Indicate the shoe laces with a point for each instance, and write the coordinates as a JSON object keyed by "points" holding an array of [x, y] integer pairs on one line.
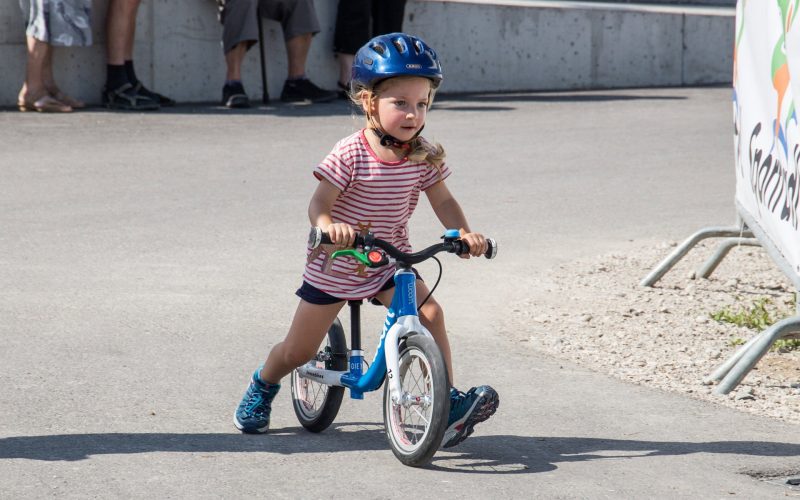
{"points": [[258, 402]]}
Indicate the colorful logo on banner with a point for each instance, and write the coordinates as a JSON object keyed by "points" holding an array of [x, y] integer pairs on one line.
{"points": [[766, 130]]}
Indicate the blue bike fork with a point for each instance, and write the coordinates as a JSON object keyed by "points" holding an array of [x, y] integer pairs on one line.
{"points": [[404, 303]]}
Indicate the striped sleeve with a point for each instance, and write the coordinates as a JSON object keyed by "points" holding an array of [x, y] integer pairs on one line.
{"points": [[433, 175], [335, 169]]}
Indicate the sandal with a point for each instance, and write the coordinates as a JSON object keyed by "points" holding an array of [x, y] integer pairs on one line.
{"points": [[68, 100], [126, 98], [45, 104]]}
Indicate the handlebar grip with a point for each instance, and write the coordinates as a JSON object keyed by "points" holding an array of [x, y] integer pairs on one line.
{"points": [[317, 237], [491, 252]]}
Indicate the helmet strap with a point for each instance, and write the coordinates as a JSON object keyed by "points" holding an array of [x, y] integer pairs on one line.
{"points": [[388, 140]]}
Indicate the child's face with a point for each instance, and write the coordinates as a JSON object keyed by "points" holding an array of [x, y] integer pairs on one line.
{"points": [[402, 105]]}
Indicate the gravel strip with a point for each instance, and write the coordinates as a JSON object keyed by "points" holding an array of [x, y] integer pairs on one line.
{"points": [[595, 313]]}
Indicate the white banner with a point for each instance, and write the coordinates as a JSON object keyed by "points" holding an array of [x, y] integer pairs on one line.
{"points": [[766, 79]]}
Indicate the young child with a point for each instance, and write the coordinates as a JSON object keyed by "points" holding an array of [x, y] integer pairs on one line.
{"points": [[371, 182]]}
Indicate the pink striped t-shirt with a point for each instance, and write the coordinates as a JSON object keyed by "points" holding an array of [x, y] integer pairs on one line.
{"points": [[376, 196]]}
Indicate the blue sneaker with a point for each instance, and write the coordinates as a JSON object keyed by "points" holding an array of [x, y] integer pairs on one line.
{"points": [[466, 410], [252, 415]]}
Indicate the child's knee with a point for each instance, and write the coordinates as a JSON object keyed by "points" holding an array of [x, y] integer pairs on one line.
{"points": [[432, 313], [297, 357]]}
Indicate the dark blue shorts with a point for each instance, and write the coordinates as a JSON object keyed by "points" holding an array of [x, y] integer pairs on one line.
{"points": [[314, 295]]}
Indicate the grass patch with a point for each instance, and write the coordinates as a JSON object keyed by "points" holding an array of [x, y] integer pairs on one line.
{"points": [[761, 314], [755, 317]]}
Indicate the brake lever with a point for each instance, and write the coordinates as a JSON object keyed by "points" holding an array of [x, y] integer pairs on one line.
{"points": [[373, 258]]}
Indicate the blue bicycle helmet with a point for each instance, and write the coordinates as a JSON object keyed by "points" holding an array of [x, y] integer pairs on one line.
{"points": [[395, 54]]}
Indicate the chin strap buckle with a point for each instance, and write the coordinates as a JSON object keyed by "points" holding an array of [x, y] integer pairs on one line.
{"points": [[390, 141]]}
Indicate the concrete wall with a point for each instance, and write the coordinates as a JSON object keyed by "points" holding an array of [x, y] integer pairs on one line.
{"points": [[488, 45]]}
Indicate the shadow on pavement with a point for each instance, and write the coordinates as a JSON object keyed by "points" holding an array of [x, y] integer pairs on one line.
{"points": [[480, 454], [521, 454]]}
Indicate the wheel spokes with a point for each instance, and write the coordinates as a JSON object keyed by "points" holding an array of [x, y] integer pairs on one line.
{"points": [[415, 417]]}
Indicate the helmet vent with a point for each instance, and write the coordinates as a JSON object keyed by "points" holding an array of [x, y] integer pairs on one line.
{"points": [[418, 46], [401, 47], [379, 48]]}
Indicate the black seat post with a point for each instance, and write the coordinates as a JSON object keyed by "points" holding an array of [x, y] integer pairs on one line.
{"points": [[355, 324]]}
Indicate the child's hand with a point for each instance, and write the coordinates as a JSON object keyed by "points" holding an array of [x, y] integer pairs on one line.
{"points": [[342, 235], [477, 244]]}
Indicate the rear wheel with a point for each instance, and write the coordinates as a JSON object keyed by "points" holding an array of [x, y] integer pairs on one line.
{"points": [[316, 404], [415, 425]]}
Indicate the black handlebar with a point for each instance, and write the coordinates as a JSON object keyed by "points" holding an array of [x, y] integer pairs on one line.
{"points": [[452, 245]]}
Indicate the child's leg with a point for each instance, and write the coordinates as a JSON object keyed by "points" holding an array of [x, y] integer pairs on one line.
{"points": [[466, 409], [432, 318], [309, 326]]}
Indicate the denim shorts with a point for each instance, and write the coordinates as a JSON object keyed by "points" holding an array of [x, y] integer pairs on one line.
{"points": [[314, 295]]}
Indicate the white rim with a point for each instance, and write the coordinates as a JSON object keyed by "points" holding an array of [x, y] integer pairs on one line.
{"points": [[410, 422]]}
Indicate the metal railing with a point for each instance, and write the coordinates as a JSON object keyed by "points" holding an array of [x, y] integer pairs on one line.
{"points": [[746, 232]]}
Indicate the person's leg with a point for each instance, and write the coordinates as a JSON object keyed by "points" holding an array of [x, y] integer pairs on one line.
{"points": [[351, 32], [299, 21], [120, 30], [39, 25], [387, 16], [233, 93], [33, 87], [122, 89], [308, 329], [345, 72], [352, 29], [466, 409], [239, 33], [297, 54], [52, 87], [34, 95], [124, 44], [233, 62], [431, 316], [298, 88]]}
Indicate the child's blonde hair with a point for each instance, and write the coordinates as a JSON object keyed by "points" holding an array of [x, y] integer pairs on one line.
{"points": [[420, 149]]}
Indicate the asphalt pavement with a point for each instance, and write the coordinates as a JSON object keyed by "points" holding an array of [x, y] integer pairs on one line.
{"points": [[149, 261]]}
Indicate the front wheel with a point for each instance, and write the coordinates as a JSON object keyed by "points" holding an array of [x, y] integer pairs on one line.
{"points": [[316, 404], [416, 424]]}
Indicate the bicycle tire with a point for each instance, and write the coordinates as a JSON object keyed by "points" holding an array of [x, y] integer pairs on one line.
{"points": [[416, 426], [316, 405]]}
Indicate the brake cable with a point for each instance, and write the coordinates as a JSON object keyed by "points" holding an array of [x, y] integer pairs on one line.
{"points": [[438, 278]]}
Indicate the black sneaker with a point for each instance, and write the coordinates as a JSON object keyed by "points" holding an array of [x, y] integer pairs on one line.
{"points": [[234, 96], [125, 97], [162, 100], [304, 91]]}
